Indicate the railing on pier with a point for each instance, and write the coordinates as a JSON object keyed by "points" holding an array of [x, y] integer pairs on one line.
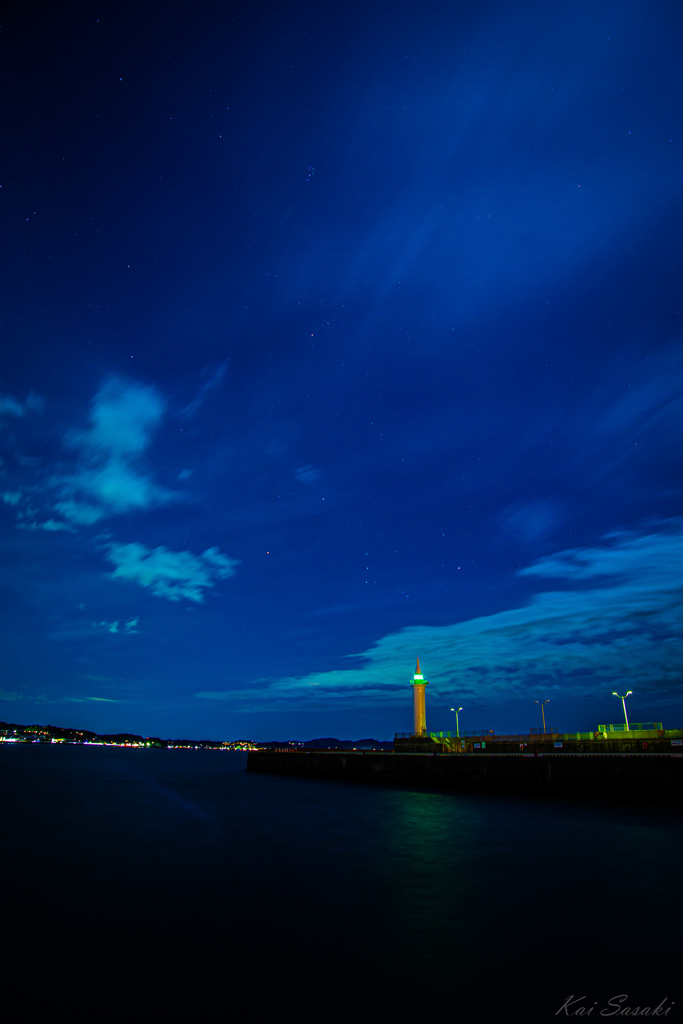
{"points": [[448, 735], [634, 727]]}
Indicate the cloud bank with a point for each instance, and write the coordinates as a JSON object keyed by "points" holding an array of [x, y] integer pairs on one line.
{"points": [[614, 618]]}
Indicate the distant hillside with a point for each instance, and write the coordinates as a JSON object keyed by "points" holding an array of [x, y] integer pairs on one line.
{"points": [[10, 732]]}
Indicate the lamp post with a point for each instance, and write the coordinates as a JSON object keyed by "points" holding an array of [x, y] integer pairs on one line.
{"points": [[543, 704], [457, 722], [623, 704]]}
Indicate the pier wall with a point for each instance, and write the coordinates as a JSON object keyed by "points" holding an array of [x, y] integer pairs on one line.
{"points": [[651, 778]]}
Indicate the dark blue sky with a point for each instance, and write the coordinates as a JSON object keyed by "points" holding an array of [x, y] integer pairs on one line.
{"points": [[335, 336]]}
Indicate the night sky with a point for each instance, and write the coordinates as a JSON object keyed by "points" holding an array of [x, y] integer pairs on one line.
{"points": [[334, 335]]}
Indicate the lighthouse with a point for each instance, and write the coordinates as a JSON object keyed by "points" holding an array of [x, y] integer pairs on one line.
{"points": [[418, 684]]}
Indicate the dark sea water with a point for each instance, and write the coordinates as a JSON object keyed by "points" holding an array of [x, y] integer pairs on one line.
{"points": [[152, 882]]}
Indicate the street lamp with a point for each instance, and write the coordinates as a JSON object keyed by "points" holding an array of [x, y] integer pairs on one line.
{"points": [[457, 722], [623, 702], [543, 704]]}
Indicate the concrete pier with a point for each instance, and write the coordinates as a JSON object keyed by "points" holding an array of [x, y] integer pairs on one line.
{"points": [[650, 778]]}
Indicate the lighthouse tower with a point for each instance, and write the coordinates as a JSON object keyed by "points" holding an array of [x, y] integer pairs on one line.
{"points": [[419, 714]]}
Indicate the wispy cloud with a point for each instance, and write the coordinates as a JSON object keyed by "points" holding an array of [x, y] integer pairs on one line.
{"points": [[175, 575], [616, 615], [50, 525], [127, 627], [307, 474], [84, 700], [12, 695], [111, 477], [215, 380], [11, 406], [79, 512], [637, 408], [27, 514], [123, 418]]}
